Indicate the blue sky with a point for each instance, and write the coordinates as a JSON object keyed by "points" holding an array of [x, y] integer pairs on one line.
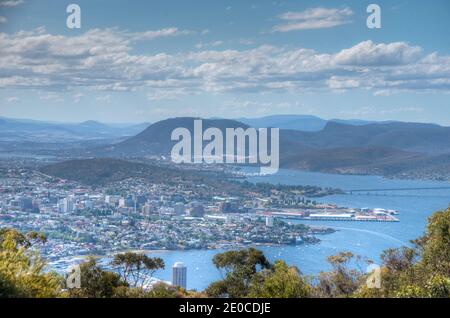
{"points": [[148, 60]]}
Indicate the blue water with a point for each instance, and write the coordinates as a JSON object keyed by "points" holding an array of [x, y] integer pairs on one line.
{"points": [[367, 239]]}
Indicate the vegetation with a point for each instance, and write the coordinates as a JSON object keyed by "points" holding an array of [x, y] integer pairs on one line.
{"points": [[107, 171], [21, 268], [422, 270], [135, 268]]}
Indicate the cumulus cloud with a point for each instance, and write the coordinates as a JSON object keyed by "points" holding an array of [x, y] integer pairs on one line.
{"points": [[3, 19], [104, 60], [313, 18], [369, 53]]}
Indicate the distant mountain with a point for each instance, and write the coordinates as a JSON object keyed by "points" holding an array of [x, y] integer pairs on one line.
{"points": [[415, 137], [357, 160], [156, 139], [378, 148], [297, 122], [386, 148], [21, 130]]}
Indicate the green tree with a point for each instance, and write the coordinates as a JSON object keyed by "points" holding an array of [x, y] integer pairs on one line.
{"points": [[95, 282], [419, 271], [282, 281], [342, 280], [136, 269], [21, 268], [237, 269]]}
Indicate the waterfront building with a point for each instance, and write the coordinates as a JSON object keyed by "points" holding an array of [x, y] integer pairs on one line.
{"points": [[179, 275]]}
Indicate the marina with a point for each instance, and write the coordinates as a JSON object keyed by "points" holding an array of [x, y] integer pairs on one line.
{"points": [[336, 214]]}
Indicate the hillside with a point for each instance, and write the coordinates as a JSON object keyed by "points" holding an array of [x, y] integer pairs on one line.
{"points": [[389, 148], [414, 137], [104, 170], [156, 139], [298, 122]]}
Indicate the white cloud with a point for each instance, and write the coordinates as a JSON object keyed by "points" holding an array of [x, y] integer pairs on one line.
{"points": [[3, 19], [104, 60], [313, 18], [382, 110], [10, 3], [151, 35], [210, 44], [369, 53]]}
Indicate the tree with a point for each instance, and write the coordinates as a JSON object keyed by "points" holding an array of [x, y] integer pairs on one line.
{"points": [[95, 282], [136, 269], [419, 271], [282, 281], [21, 268], [237, 269], [341, 281], [434, 246]]}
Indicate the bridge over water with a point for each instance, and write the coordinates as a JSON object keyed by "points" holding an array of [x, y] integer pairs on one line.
{"points": [[351, 191]]}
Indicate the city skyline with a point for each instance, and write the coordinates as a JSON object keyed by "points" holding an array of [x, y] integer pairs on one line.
{"points": [[153, 62]]}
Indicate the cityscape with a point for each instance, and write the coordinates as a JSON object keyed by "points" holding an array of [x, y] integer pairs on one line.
{"points": [[224, 150]]}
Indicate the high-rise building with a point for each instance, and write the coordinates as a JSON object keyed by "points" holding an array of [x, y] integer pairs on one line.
{"points": [[66, 205], [269, 221], [179, 271]]}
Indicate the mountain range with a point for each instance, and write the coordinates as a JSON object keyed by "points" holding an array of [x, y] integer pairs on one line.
{"points": [[42, 131], [353, 147], [388, 148], [297, 122]]}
